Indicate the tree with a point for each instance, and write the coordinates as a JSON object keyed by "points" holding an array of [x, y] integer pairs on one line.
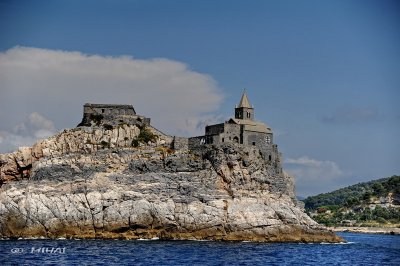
{"points": [[378, 188]]}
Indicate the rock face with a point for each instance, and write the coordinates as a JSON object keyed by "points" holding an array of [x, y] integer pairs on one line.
{"points": [[90, 182]]}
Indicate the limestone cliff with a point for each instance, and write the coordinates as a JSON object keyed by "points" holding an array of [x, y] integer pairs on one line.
{"points": [[90, 182]]}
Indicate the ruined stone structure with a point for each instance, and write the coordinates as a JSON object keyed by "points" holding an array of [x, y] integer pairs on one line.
{"points": [[111, 114], [242, 129]]}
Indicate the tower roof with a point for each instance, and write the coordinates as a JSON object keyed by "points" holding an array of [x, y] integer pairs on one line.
{"points": [[244, 101]]}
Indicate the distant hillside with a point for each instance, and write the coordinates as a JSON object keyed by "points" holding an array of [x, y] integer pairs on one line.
{"points": [[371, 203]]}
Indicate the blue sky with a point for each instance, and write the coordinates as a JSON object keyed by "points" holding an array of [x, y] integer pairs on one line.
{"points": [[325, 75]]}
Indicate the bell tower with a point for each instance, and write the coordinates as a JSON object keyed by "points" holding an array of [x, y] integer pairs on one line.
{"points": [[244, 110]]}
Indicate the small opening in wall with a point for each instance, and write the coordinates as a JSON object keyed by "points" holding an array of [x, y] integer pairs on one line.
{"points": [[102, 111], [223, 139], [269, 157], [254, 143]]}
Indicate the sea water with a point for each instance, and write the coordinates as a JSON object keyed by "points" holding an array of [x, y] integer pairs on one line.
{"points": [[360, 249]]}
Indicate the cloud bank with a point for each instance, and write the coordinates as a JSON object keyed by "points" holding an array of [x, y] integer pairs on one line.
{"points": [[56, 84], [313, 175], [26, 133]]}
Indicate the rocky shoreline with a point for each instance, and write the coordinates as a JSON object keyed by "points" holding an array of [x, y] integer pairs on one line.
{"points": [[367, 230], [91, 183]]}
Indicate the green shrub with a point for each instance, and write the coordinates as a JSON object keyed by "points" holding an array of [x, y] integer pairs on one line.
{"points": [[105, 144], [381, 220], [97, 118], [135, 143], [144, 136], [108, 127]]}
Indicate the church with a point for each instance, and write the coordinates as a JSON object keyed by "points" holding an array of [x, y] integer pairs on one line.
{"points": [[242, 129]]}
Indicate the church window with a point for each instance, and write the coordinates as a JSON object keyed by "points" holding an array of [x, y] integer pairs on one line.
{"points": [[269, 157], [222, 139], [102, 111]]}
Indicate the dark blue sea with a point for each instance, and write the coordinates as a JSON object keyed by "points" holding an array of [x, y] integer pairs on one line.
{"points": [[361, 249]]}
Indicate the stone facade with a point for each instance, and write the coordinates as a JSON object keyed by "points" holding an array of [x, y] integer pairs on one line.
{"points": [[111, 114], [242, 129]]}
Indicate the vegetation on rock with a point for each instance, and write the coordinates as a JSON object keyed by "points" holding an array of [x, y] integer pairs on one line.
{"points": [[97, 118], [108, 127], [145, 136]]}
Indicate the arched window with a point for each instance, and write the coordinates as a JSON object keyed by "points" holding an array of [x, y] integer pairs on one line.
{"points": [[236, 139]]}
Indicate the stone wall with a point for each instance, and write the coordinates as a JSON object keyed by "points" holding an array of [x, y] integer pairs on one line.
{"points": [[195, 143], [108, 109], [180, 143], [223, 133], [111, 114], [215, 129], [231, 133]]}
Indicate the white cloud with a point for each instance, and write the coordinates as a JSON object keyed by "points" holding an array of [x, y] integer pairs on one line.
{"points": [[34, 124], [10, 141], [199, 123], [306, 168], [58, 83], [312, 175], [26, 133]]}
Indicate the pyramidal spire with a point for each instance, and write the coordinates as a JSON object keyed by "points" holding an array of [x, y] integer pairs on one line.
{"points": [[244, 101]]}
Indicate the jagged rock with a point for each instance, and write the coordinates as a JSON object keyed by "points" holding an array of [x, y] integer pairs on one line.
{"points": [[91, 183], [82, 140]]}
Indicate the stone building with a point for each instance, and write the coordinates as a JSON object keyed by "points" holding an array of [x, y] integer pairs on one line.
{"points": [[111, 114], [242, 129]]}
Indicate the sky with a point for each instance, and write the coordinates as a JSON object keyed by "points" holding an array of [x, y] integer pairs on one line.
{"points": [[324, 75]]}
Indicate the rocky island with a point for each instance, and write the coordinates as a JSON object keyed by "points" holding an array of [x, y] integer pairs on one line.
{"points": [[116, 176]]}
